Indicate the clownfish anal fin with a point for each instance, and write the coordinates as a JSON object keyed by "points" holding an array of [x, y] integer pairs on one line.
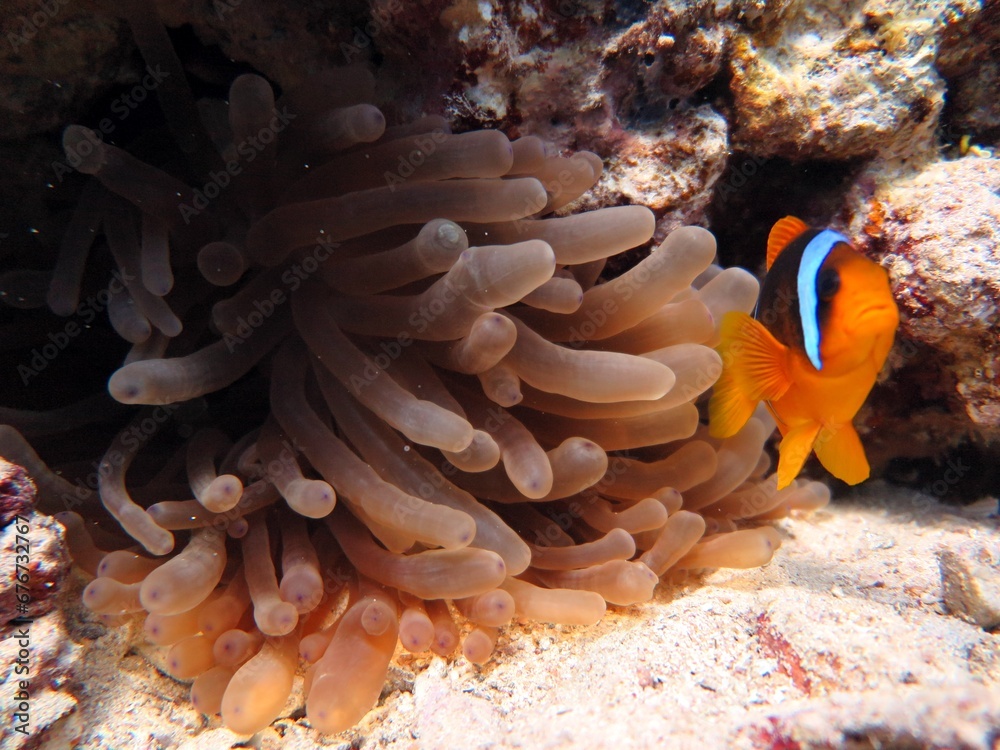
{"points": [[839, 449], [753, 370], [782, 233], [793, 451]]}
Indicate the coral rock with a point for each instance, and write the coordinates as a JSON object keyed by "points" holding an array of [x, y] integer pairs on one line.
{"points": [[970, 576], [673, 171], [47, 569], [961, 715], [612, 80], [836, 80], [52, 657], [937, 230], [57, 57], [40, 545], [17, 493], [970, 62]]}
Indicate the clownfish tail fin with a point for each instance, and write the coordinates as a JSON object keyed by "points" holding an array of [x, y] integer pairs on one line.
{"points": [[753, 369], [793, 451], [839, 449]]}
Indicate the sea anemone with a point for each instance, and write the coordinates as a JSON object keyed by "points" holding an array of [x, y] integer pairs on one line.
{"points": [[460, 421]]}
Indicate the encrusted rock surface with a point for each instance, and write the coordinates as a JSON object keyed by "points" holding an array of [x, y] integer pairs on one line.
{"points": [[969, 60], [51, 664], [937, 231], [17, 493], [36, 655], [839, 80], [32, 549], [287, 42], [945, 716], [57, 56], [970, 577], [47, 567], [616, 79]]}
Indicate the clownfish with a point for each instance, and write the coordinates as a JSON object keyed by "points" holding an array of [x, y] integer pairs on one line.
{"points": [[822, 329]]}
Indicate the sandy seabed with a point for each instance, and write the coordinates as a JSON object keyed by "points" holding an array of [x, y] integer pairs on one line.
{"points": [[844, 640]]}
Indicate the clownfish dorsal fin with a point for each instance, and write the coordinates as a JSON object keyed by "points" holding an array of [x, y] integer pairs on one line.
{"points": [[782, 233]]}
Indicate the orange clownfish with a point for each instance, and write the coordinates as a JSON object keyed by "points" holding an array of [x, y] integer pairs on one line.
{"points": [[823, 326]]}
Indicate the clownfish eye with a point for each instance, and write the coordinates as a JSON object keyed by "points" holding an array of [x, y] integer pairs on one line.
{"points": [[827, 284]]}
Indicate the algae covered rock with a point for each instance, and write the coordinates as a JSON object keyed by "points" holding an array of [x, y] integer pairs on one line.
{"points": [[971, 584], [937, 230], [33, 544], [56, 57], [838, 80], [969, 60], [620, 79]]}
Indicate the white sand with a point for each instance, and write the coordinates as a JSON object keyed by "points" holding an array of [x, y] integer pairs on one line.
{"points": [[842, 638]]}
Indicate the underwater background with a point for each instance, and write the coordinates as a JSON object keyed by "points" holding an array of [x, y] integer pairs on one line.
{"points": [[874, 625]]}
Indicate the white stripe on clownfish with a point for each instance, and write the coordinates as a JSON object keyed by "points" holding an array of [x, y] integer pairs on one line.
{"points": [[813, 256]]}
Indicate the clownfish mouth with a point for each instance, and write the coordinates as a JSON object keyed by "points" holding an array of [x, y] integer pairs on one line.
{"points": [[877, 315]]}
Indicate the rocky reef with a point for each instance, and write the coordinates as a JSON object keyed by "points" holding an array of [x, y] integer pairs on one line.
{"points": [[876, 117], [727, 114]]}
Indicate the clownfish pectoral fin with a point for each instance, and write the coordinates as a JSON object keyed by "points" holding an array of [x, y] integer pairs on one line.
{"points": [[793, 451], [753, 370], [729, 408], [782, 233], [839, 449]]}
